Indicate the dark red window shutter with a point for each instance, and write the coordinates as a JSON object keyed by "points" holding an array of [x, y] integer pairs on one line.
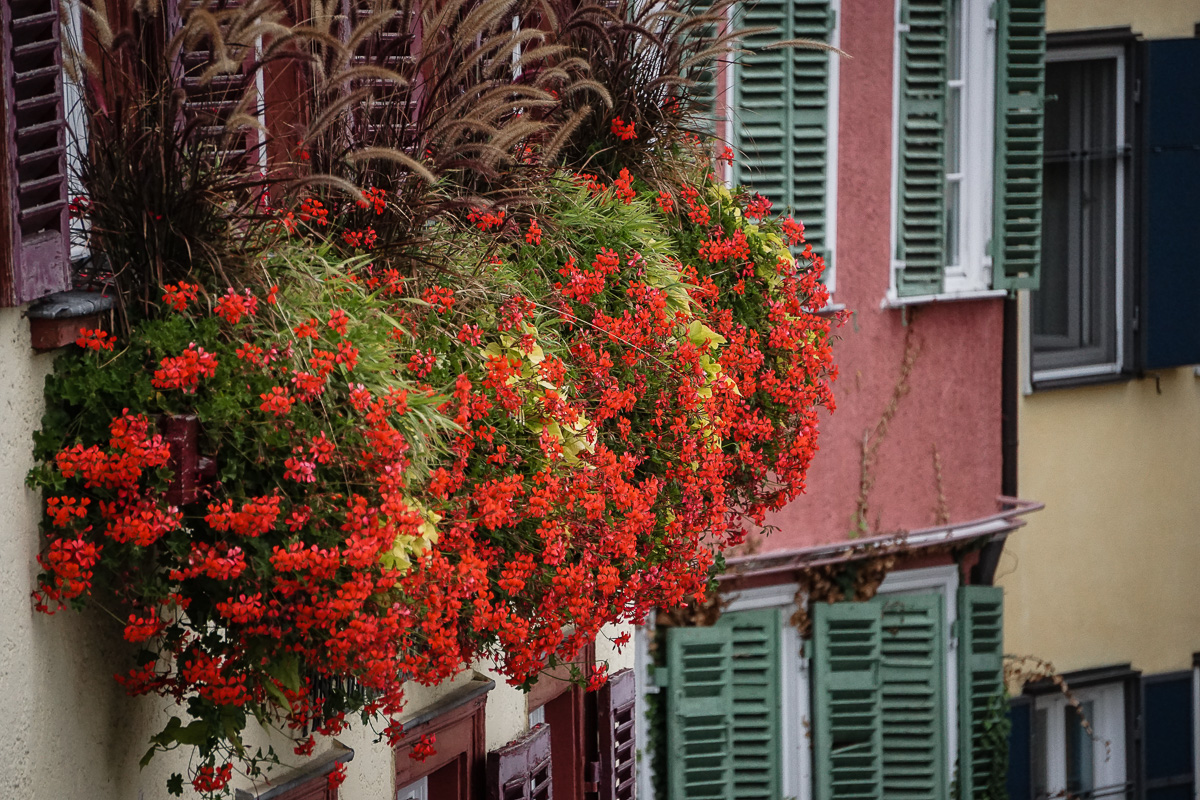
{"points": [[212, 97], [34, 233], [521, 770], [617, 744]]}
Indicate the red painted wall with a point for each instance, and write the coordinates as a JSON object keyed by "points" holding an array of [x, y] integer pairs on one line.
{"points": [[955, 391]]}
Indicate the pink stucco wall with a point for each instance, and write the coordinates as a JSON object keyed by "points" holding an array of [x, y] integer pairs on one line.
{"points": [[954, 401]]}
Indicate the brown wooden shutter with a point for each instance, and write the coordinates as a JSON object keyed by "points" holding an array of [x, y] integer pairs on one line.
{"points": [[211, 98], [393, 46], [617, 745], [521, 770], [34, 233]]}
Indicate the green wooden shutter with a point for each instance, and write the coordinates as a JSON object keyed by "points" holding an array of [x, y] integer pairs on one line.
{"points": [[756, 703], [980, 679], [914, 706], [782, 112], [846, 701], [921, 179], [1020, 96], [700, 713], [724, 708]]}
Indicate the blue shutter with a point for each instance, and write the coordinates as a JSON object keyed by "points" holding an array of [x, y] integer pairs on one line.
{"points": [[1020, 95], [846, 701], [1171, 235], [1167, 707]]}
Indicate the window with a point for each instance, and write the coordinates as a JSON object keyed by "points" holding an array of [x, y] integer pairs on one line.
{"points": [[454, 771], [969, 85], [1071, 760], [784, 116], [894, 697], [1120, 289], [1076, 319]]}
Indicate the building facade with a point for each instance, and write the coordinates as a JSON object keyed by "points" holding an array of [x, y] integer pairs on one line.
{"points": [[1099, 585], [856, 651]]}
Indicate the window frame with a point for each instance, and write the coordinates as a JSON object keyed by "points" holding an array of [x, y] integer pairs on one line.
{"points": [[1085, 685], [1118, 313], [458, 722], [972, 277]]}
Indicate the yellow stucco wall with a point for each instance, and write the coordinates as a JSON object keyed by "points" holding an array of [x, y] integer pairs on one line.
{"points": [[1109, 572], [1154, 19]]}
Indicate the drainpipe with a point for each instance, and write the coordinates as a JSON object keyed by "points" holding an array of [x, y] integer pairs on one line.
{"points": [[984, 572]]}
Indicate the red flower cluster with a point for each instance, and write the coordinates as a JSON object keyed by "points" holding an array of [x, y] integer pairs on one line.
{"points": [[625, 131]]}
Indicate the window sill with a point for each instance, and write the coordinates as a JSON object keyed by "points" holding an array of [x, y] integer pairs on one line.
{"points": [[893, 300], [55, 320], [1080, 380], [315, 770]]}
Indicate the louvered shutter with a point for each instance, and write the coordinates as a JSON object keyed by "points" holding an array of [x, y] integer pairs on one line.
{"points": [[781, 112], [618, 752], [700, 713], [756, 703], [847, 749], [211, 96], [914, 697], [34, 234], [921, 180], [521, 770], [980, 680], [1020, 97]]}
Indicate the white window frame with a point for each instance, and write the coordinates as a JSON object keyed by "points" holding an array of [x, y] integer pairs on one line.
{"points": [[1091, 53], [417, 790], [945, 581], [726, 129], [1108, 742], [972, 278], [77, 123]]}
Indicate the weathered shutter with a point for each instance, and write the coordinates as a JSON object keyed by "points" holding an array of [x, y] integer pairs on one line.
{"points": [[1020, 97], [756, 703], [781, 112], [921, 179], [913, 676], [212, 95], [521, 770], [700, 713], [980, 681], [34, 233], [847, 748], [618, 748]]}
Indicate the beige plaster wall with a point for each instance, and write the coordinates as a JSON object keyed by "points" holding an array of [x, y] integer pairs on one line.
{"points": [[1154, 19], [70, 732], [1107, 573]]}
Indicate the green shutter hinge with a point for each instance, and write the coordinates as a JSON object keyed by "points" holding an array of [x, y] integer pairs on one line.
{"points": [[832, 19], [661, 677], [994, 11]]}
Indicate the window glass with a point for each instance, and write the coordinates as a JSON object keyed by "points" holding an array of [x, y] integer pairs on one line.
{"points": [[1074, 314], [1081, 774]]}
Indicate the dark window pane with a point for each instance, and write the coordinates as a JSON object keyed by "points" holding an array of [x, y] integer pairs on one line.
{"points": [[1168, 718], [1074, 313]]}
